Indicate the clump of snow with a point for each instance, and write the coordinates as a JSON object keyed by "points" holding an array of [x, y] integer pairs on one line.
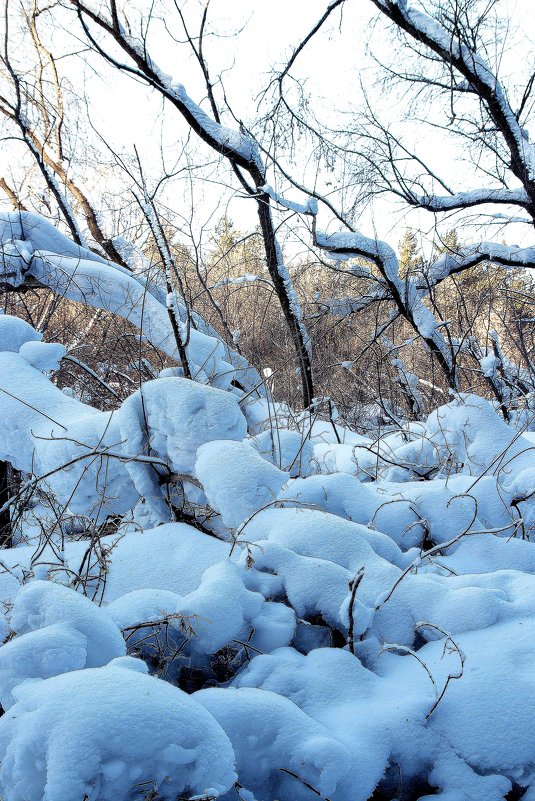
{"points": [[237, 480], [170, 557], [181, 415], [44, 356], [45, 603], [312, 532], [290, 451], [58, 648], [58, 630], [220, 611], [176, 416], [367, 713], [102, 733], [470, 431], [15, 332], [76, 448]]}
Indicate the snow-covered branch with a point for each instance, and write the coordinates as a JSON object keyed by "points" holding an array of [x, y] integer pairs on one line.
{"points": [[505, 255], [407, 296], [465, 200], [239, 147], [452, 49], [32, 250]]}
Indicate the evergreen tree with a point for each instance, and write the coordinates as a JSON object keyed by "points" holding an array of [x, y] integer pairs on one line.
{"points": [[410, 257]]}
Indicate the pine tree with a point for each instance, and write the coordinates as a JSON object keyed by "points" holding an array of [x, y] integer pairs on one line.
{"points": [[410, 257], [448, 243]]}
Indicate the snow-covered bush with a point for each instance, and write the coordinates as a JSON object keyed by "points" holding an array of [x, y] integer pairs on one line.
{"points": [[208, 593], [173, 417], [312, 597], [58, 630], [111, 733]]}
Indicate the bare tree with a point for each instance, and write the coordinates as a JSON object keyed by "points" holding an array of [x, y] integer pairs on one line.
{"points": [[237, 146], [376, 285], [37, 109], [458, 41]]}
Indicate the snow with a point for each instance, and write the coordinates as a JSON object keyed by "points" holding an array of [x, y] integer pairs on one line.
{"points": [[219, 612], [58, 630], [23, 227], [237, 480], [288, 450], [258, 616], [472, 197], [310, 207], [357, 707], [288, 739], [44, 356], [506, 255], [30, 246], [487, 553], [498, 730], [45, 603], [89, 747], [226, 138], [171, 557], [176, 416], [15, 332], [40, 654], [56, 436], [344, 612], [311, 532]]}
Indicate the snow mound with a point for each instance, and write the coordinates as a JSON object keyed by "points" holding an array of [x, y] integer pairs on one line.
{"points": [[40, 654], [176, 416], [171, 557], [44, 356], [110, 733], [73, 447], [221, 611], [469, 436], [287, 740], [42, 604], [357, 707], [14, 332], [237, 480]]}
